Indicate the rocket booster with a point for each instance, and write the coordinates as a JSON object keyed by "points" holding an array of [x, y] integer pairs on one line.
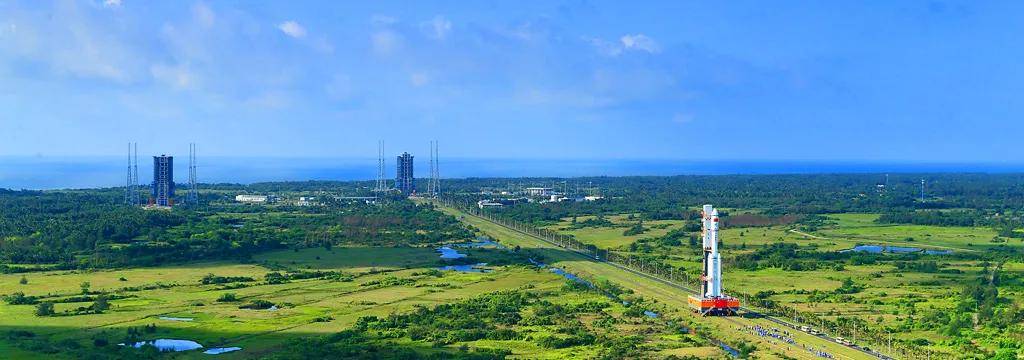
{"points": [[712, 259]]}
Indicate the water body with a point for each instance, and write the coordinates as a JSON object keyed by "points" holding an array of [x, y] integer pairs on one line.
{"points": [[481, 242], [53, 172], [878, 249], [215, 351], [449, 253], [729, 349], [469, 268], [571, 277], [170, 344], [171, 318], [651, 314]]}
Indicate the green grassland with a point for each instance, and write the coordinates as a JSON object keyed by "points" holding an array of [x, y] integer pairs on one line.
{"points": [[889, 298], [673, 300], [611, 237], [383, 281], [256, 331]]}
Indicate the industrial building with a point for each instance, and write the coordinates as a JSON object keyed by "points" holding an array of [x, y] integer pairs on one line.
{"points": [[711, 300], [162, 193], [404, 180]]}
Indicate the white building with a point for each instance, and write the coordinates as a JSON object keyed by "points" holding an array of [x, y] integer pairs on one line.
{"points": [[485, 204], [306, 201], [254, 199], [539, 191], [593, 198]]}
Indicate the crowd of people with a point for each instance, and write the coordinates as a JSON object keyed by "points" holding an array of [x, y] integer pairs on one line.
{"points": [[775, 336]]}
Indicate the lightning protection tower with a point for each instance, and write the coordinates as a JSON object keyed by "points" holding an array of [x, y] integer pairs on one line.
{"points": [[434, 186], [382, 184], [193, 190], [131, 188]]}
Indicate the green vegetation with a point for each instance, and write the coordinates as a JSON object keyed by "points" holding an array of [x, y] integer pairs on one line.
{"points": [[786, 242], [81, 273]]}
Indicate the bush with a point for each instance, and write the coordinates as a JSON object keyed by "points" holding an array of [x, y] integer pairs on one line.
{"points": [[258, 305], [227, 297]]}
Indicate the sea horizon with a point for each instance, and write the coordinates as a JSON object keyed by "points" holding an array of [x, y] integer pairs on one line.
{"points": [[48, 173]]}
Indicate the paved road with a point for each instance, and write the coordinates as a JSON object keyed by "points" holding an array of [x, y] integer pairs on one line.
{"points": [[683, 288]]}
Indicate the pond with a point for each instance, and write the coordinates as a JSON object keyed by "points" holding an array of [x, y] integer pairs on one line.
{"points": [[651, 314], [170, 344], [171, 318], [215, 351], [449, 253], [469, 268]]}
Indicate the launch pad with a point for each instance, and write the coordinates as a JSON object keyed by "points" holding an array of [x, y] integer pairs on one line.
{"points": [[711, 300], [720, 306]]}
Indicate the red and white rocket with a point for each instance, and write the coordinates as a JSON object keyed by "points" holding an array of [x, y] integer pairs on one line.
{"points": [[712, 284], [711, 300]]}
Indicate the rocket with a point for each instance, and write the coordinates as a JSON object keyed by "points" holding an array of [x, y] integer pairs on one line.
{"points": [[711, 286]]}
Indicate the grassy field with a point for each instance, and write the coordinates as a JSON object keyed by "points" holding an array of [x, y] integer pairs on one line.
{"points": [[673, 299], [386, 280], [256, 331], [890, 296], [611, 237]]}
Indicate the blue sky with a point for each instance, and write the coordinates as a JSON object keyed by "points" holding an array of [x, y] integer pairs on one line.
{"points": [[742, 80]]}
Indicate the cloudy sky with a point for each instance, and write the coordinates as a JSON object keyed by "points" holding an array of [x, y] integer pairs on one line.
{"points": [[739, 80]]}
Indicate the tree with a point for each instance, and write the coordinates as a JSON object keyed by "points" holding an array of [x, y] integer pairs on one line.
{"points": [[85, 287], [102, 303], [44, 309], [23, 280]]}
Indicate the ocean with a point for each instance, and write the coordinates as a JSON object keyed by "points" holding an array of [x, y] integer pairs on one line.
{"points": [[91, 172]]}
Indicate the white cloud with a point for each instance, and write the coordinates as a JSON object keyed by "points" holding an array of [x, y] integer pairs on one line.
{"points": [[640, 42], [340, 87], [605, 47], [203, 15], [81, 45], [419, 79], [292, 29], [438, 27], [176, 76], [385, 42], [112, 3]]}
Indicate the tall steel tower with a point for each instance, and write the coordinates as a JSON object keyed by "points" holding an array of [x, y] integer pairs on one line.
{"points": [[382, 183], [193, 190], [131, 188], [434, 186], [128, 183]]}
